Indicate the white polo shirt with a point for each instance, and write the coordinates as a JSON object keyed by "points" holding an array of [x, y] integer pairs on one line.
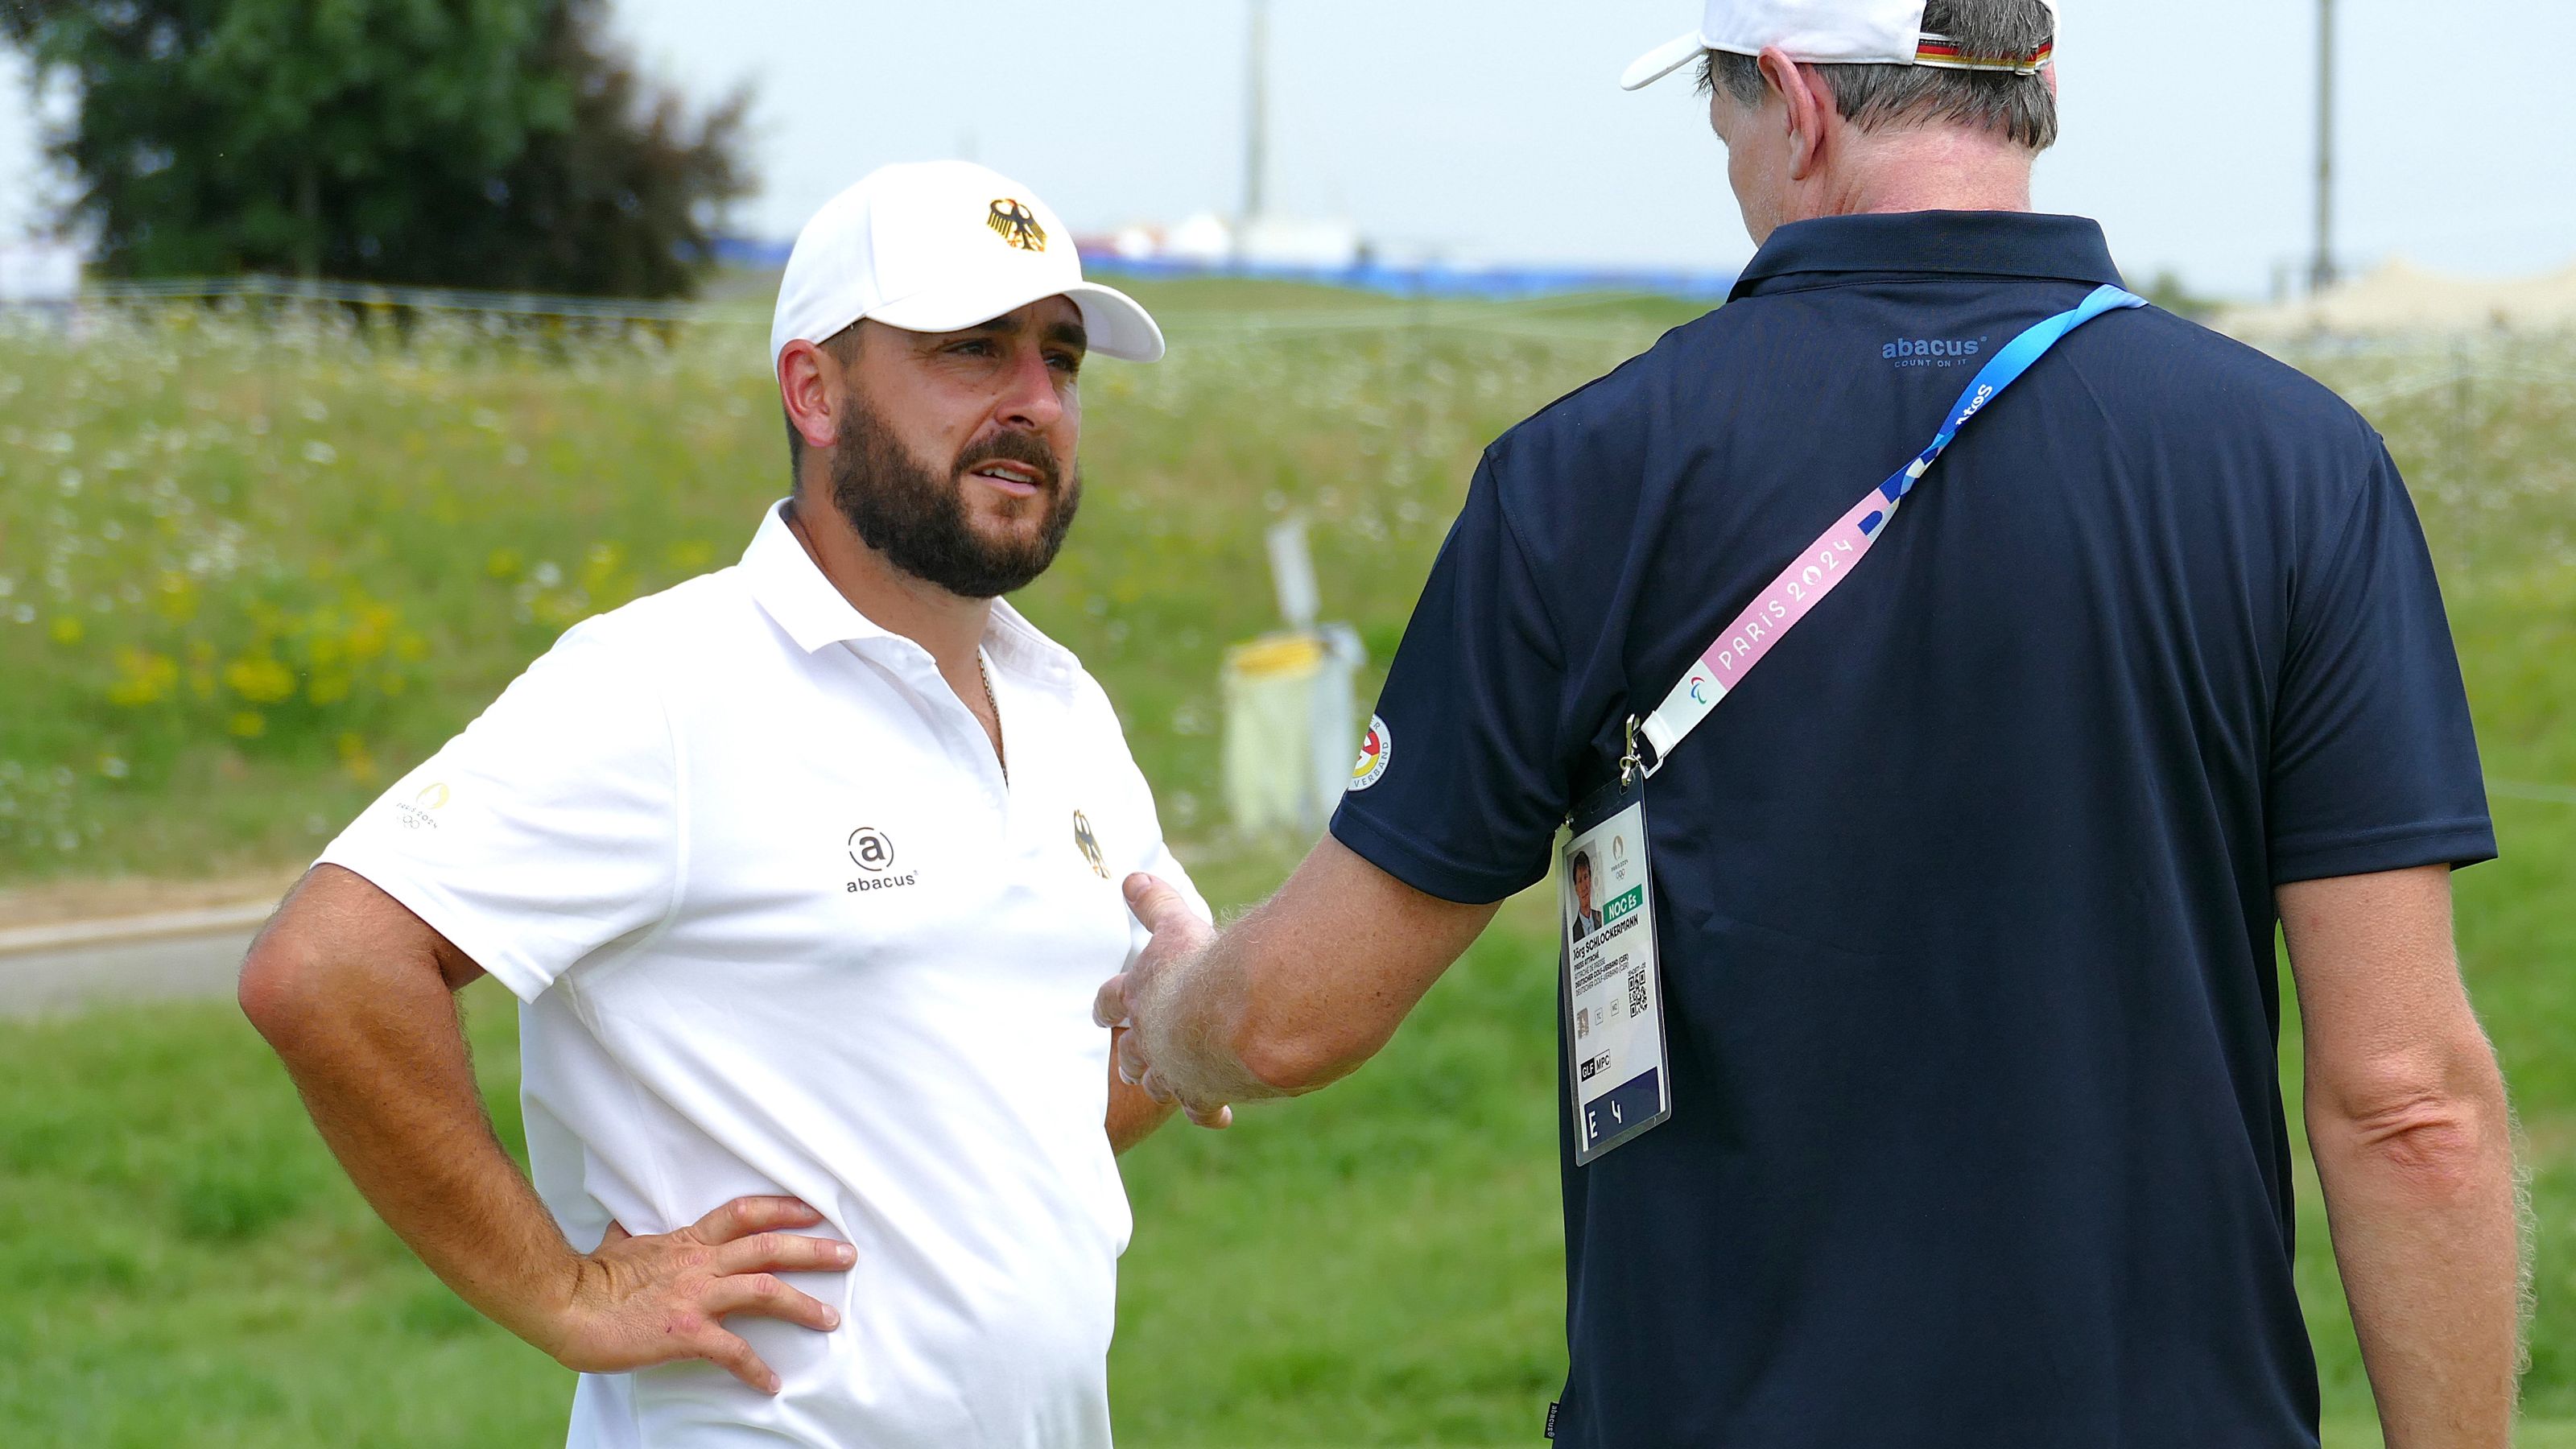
{"points": [[779, 925]]}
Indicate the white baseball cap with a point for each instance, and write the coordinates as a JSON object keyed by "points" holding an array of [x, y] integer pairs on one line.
{"points": [[1824, 32], [937, 246]]}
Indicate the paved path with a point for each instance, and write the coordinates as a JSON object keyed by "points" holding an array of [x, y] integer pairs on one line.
{"points": [[65, 978]]}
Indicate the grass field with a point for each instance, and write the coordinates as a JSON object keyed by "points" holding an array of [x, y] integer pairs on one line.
{"points": [[247, 574]]}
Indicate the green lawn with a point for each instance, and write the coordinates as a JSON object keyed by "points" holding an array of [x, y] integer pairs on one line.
{"points": [[1375, 1266], [247, 575]]}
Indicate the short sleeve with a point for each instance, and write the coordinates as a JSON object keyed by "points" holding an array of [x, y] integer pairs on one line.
{"points": [[1468, 784], [547, 830], [2374, 765]]}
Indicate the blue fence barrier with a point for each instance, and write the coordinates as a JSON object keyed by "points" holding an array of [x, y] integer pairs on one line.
{"points": [[1440, 280], [1430, 279]]}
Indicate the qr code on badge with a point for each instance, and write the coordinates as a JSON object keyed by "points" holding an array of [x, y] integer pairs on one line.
{"points": [[1637, 989]]}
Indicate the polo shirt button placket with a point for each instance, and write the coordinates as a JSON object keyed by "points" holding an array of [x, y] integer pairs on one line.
{"points": [[997, 777], [967, 741]]}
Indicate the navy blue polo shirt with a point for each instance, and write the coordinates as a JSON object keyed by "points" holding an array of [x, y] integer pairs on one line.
{"points": [[1966, 894]]}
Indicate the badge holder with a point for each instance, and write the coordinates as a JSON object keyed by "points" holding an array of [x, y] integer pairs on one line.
{"points": [[1610, 973]]}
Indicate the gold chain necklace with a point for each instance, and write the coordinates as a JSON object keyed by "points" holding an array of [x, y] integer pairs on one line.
{"points": [[1001, 756]]}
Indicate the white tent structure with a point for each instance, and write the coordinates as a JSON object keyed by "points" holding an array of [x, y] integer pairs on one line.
{"points": [[2402, 298]]}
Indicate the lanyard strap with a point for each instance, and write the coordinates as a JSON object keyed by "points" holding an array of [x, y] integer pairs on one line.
{"points": [[1821, 567]]}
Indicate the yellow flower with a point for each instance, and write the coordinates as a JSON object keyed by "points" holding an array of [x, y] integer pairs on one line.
{"points": [[66, 629], [259, 679], [367, 636], [143, 678], [250, 724]]}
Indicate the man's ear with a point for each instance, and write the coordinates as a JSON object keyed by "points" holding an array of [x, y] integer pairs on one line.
{"points": [[810, 387], [1808, 107]]}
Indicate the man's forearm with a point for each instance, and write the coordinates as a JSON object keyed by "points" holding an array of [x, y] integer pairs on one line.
{"points": [[1294, 996], [386, 1075], [1195, 1018], [2421, 1201]]}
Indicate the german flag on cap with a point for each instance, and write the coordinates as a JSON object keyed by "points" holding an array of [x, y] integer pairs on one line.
{"points": [[1832, 32], [1948, 54]]}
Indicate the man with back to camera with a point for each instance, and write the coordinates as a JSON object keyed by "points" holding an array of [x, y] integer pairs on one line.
{"points": [[803, 872], [1950, 1114]]}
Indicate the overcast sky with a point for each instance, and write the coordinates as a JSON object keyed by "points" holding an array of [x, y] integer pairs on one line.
{"points": [[1494, 130]]}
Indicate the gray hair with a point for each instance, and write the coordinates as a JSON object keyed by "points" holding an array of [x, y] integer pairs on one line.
{"points": [[1873, 97]]}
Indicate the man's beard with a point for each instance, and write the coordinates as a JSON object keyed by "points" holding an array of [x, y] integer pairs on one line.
{"points": [[918, 520]]}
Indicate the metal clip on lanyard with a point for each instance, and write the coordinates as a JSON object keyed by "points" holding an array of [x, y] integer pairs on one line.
{"points": [[1822, 566]]}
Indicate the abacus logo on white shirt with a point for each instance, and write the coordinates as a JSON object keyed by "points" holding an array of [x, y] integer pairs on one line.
{"points": [[872, 850]]}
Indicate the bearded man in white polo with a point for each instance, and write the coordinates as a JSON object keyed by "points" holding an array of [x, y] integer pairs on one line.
{"points": [[803, 872]]}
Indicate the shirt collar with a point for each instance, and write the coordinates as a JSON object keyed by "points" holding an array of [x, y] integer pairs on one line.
{"points": [[1937, 243], [792, 589]]}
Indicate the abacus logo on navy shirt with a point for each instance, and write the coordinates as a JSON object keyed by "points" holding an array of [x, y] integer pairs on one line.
{"points": [[1932, 351]]}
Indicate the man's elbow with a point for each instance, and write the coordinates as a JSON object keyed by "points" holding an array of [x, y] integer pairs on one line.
{"points": [[278, 986], [2437, 1124]]}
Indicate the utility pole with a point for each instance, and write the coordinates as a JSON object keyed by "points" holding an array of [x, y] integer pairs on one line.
{"points": [[1256, 121], [2322, 273]]}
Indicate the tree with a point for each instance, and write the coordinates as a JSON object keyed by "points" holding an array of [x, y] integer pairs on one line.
{"points": [[473, 143]]}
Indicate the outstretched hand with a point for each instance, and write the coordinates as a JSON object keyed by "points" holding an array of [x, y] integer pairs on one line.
{"points": [[1136, 998], [643, 1301]]}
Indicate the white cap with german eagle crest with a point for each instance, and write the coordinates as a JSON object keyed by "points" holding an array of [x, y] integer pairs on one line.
{"points": [[938, 246]]}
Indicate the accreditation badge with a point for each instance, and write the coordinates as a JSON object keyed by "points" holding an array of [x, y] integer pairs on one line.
{"points": [[1614, 992]]}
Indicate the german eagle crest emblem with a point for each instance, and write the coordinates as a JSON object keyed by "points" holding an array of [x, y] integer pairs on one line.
{"points": [[1088, 844], [1013, 222]]}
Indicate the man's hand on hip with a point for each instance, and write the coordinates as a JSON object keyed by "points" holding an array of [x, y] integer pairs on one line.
{"points": [[643, 1301], [354, 992]]}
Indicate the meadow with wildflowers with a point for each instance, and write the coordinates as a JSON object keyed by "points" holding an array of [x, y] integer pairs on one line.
{"points": [[254, 566]]}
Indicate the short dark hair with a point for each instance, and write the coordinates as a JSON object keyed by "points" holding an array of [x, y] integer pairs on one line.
{"points": [[1873, 97], [844, 349], [1582, 860]]}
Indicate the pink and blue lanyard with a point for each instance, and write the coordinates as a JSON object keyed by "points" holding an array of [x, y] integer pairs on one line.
{"points": [[1823, 565]]}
